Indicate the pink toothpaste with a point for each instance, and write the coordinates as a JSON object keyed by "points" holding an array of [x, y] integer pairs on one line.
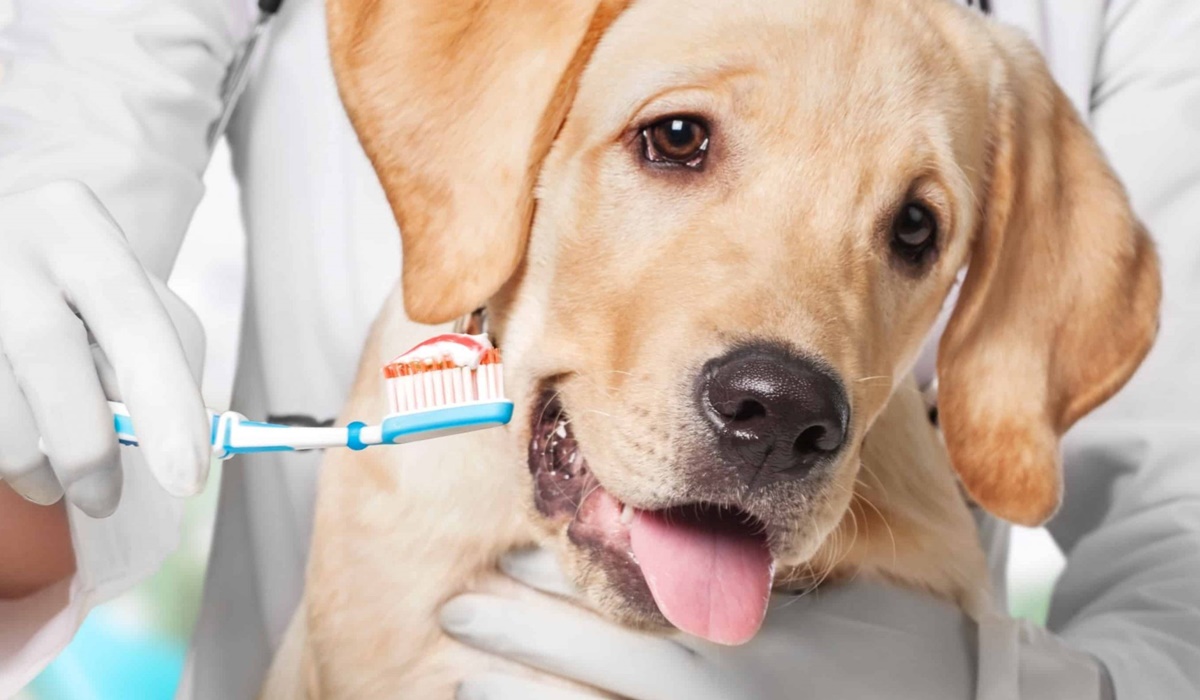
{"points": [[447, 369]]}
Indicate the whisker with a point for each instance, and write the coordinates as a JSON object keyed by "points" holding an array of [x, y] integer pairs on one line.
{"points": [[583, 499], [866, 470], [594, 382], [546, 405], [878, 376], [886, 524], [602, 413]]}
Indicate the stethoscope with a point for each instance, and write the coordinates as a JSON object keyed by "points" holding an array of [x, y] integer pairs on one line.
{"points": [[240, 69]]}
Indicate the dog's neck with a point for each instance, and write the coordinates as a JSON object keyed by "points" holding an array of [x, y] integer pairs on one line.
{"points": [[423, 521]]}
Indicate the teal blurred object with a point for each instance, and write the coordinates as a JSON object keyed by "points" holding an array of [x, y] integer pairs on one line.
{"points": [[134, 647], [109, 659]]}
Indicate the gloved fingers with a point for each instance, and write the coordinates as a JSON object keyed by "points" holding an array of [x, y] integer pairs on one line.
{"points": [[573, 643], [22, 465], [187, 326], [499, 686], [127, 318], [105, 373], [538, 568], [49, 355]]}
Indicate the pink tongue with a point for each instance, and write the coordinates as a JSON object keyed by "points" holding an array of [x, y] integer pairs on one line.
{"points": [[709, 579]]}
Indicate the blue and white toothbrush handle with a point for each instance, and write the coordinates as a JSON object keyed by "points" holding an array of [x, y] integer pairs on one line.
{"points": [[233, 434]]}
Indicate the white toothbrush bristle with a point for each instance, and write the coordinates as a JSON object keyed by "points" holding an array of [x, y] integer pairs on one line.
{"points": [[427, 384]]}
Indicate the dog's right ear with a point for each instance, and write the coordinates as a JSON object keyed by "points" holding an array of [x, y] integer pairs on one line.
{"points": [[456, 103]]}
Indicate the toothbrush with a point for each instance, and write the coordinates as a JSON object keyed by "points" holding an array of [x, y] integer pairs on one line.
{"points": [[449, 384]]}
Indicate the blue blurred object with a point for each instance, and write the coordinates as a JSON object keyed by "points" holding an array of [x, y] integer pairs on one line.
{"points": [[109, 659]]}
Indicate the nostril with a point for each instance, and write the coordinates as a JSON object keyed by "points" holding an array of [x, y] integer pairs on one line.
{"points": [[739, 411], [816, 439]]}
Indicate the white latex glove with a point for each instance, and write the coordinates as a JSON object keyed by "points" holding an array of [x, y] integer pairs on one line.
{"points": [[63, 258], [858, 640]]}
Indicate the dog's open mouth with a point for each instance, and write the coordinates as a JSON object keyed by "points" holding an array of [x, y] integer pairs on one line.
{"points": [[707, 567]]}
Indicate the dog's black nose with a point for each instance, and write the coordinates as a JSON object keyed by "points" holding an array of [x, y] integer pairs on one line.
{"points": [[775, 415]]}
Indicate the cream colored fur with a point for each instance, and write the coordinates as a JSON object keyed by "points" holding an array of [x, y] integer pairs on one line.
{"points": [[506, 136]]}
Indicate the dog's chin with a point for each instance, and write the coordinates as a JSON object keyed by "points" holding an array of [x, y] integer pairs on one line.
{"points": [[703, 567]]}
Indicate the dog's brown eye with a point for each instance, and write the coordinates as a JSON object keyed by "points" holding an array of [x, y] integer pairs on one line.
{"points": [[914, 231], [676, 141]]}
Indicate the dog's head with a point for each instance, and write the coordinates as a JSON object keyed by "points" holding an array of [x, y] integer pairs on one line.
{"points": [[748, 216]]}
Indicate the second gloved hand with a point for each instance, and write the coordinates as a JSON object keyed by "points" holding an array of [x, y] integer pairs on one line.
{"points": [[862, 639], [65, 263]]}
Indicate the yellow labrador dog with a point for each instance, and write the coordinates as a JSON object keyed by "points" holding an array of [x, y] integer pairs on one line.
{"points": [[711, 237]]}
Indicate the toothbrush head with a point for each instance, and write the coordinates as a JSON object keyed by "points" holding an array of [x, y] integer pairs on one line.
{"points": [[446, 370]]}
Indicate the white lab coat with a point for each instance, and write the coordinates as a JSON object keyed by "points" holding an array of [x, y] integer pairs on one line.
{"points": [[119, 94]]}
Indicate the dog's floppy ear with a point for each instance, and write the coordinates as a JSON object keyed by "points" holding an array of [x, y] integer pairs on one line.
{"points": [[456, 103], [1060, 301]]}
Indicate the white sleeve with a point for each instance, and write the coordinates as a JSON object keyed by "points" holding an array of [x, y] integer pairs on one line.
{"points": [[1130, 527], [119, 95]]}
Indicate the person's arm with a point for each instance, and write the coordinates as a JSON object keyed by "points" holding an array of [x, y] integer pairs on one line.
{"points": [[118, 96], [104, 110], [1130, 593], [45, 552]]}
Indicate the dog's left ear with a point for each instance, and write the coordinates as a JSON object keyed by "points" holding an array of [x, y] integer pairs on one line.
{"points": [[1060, 302], [456, 103]]}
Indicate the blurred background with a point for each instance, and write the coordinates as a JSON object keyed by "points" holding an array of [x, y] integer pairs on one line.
{"points": [[134, 646]]}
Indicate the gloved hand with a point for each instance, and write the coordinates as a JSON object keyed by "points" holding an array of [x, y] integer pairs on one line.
{"points": [[62, 259], [858, 640]]}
